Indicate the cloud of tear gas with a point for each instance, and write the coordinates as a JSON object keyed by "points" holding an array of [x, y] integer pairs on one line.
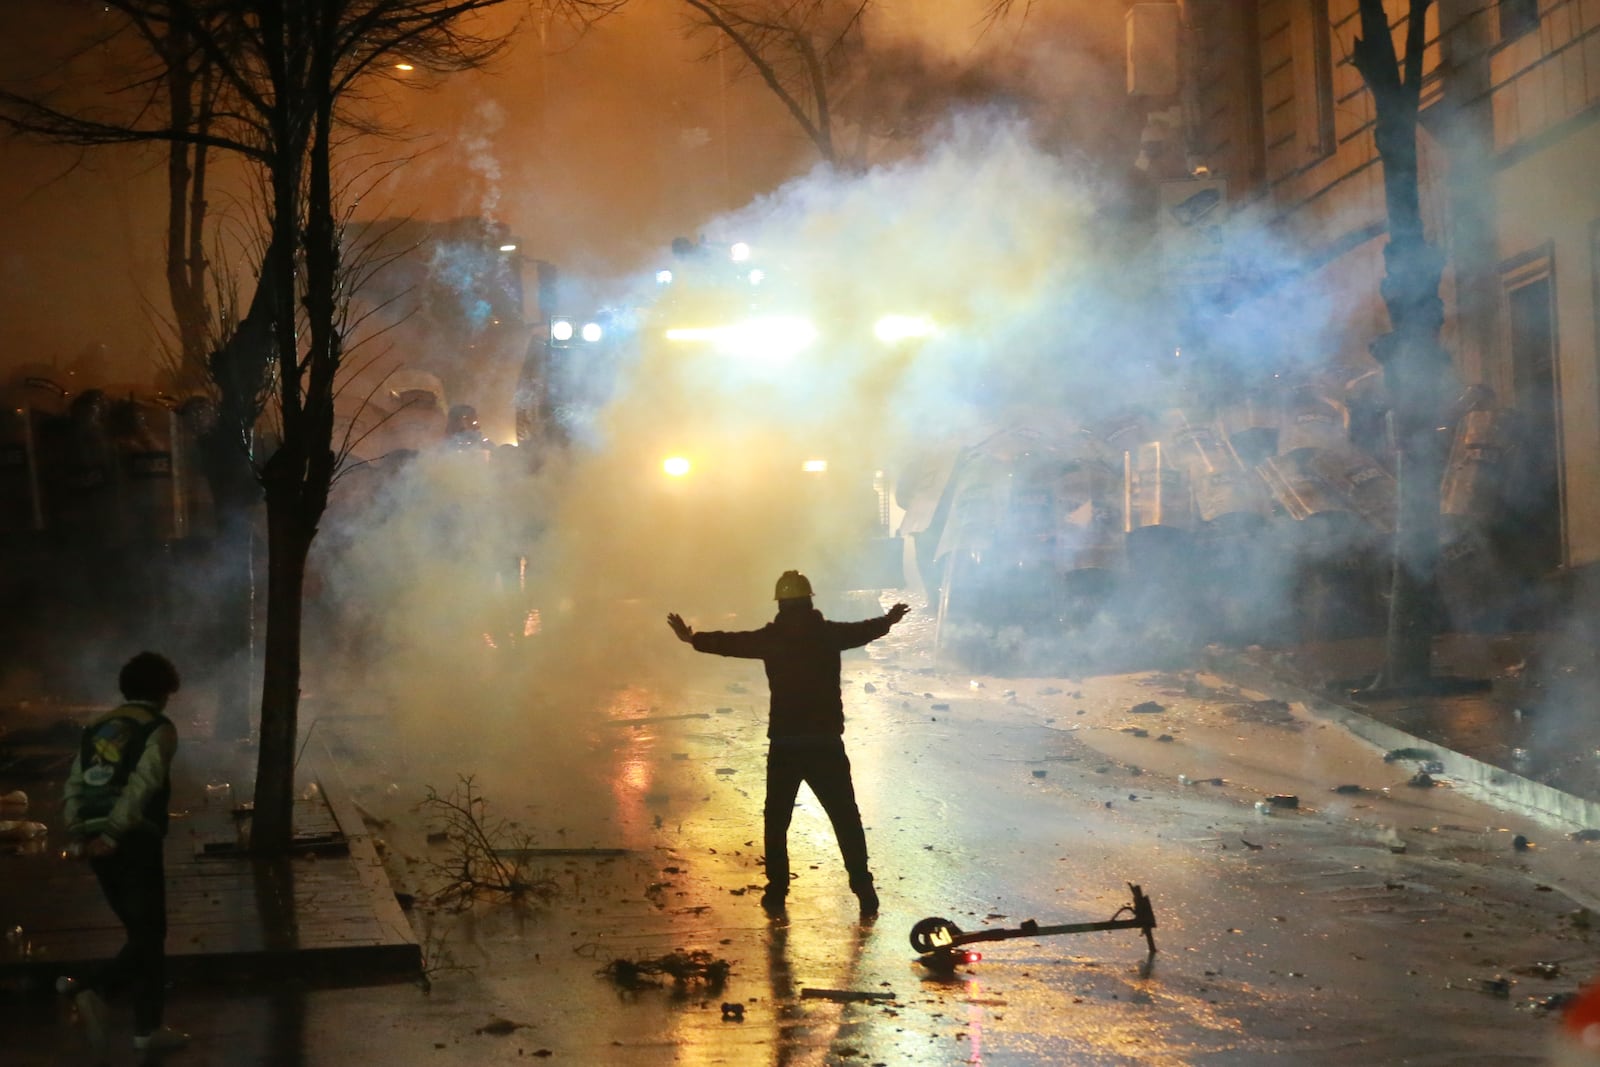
{"points": [[499, 600]]}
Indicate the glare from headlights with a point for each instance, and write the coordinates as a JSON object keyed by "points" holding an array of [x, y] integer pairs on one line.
{"points": [[560, 330], [894, 328], [773, 339], [591, 332], [740, 252], [675, 466], [663, 277], [814, 466]]}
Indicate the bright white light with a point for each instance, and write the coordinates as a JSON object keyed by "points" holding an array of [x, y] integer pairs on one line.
{"points": [[740, 252], [591, 332], [508, 248], [663, 277], [675, 466], [561, 330], [757, 276], [773, 339], [814, 466], [893, 328], [404, 66]]}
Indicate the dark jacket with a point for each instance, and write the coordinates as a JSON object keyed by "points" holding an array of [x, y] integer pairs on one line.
{"points": [[800, 650]]}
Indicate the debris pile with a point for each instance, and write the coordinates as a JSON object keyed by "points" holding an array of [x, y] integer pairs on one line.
{"points": [[681, 966]]}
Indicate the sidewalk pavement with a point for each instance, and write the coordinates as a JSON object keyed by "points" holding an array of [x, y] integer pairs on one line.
{"points": [[328, 906], [1529, 742]]}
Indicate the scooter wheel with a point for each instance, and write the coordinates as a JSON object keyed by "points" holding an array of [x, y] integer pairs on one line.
{"points": [[930, 935]]}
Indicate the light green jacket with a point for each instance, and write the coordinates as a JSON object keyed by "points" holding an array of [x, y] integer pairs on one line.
{"points": [[146, 780]]}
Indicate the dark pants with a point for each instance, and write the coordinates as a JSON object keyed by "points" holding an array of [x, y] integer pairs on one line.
{"points": [[135, 886], [819, 762]]}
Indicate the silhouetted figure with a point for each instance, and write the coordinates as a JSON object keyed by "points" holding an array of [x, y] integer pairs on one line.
{"points": [[116, 808], [805, 727]]}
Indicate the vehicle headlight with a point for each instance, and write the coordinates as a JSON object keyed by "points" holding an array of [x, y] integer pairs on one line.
{"points": [[560, 330], [675, 466], [775, 338], [815, 466], [591, 332]]}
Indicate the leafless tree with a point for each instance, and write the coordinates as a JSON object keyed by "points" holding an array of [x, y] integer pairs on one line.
{"points": [[805, 51], [288, 71], [1417, 370]]}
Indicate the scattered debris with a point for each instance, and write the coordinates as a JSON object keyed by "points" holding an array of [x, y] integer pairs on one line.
{"points": [[1039, 774], [1556, 1001], [1165, 737], [1347, 789], [1520, 843], [1049, 691], [1265, 712], [1184, 779], [1496, 986], [1585, 835], [1251, 845], [941, 707], [868, 687], [1422, 780], [1284, 800], [844, 996], [1541, 969], [682, 967], [1136, 731], [486, 853], [498, 1027], [1148, 707], [1395, 754], [732, 1011]]}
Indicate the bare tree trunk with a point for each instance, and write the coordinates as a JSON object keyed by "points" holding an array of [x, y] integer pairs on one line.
{"points": [[299, 475], [272, 825], [1416, 368]]}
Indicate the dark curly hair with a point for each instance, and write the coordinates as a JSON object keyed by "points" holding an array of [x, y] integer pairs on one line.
{"points": [[148, 676]]}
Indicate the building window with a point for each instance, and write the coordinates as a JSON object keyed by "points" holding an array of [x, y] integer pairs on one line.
{"points": [[1531, 532], [1518, 17], [1313, 78]]}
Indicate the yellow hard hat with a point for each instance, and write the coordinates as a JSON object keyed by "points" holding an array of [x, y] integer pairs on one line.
{"points": [[792, 585]]}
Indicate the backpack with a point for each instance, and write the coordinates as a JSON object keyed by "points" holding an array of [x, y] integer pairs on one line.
{"points": [[110, 750]]}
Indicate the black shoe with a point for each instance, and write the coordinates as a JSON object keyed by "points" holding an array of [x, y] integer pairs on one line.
{"points": [[868, 898], [774, 904]]}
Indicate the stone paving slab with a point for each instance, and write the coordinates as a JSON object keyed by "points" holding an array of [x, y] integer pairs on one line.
{"points": [[330, 910]]}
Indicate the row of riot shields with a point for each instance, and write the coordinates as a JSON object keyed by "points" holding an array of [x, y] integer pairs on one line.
{"points": [[101, 468], [1259, 523], [103, 504]]}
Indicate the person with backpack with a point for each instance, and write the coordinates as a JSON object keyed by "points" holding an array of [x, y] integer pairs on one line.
{"points": [[116, 810], [805, 726]]}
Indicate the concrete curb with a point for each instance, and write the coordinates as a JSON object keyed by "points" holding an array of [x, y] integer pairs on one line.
{"points": [[1551, 807]]}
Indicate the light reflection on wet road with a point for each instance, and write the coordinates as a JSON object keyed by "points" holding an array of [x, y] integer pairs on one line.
{"points": [[1299, 938]]}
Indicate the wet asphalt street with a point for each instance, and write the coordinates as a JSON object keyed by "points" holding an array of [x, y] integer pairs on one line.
{"points": [[1361, 927]]}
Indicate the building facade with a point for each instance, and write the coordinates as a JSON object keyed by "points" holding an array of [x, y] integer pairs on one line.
{"points": [[1509, 150]]}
